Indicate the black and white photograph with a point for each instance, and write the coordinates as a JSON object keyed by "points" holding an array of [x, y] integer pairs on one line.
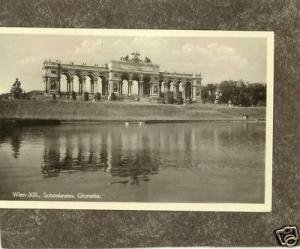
{"points": [[136, 119]]}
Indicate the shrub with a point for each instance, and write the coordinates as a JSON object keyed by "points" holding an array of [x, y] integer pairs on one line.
{"points": [[16, 90], [98, 96], [86, 96], [180, 100], [74, 95], [113, 97]]}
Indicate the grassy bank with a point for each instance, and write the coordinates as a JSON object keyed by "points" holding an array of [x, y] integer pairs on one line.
{"points": [[25, 109]]}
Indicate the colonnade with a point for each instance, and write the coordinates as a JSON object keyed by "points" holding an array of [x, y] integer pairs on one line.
{"points": [[135, 80]]}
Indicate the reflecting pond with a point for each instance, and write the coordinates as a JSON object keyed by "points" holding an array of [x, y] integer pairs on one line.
{"points": [[164, 162]]}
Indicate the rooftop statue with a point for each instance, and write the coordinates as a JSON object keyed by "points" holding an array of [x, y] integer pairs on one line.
{"points": [[135, 58], [147, 60], [126, 58]]}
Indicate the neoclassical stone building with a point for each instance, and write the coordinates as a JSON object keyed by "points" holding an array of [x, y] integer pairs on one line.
{"points": [[122, 77]]}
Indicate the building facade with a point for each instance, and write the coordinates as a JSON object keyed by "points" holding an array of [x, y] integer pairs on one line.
{"points": [[121, 77]]}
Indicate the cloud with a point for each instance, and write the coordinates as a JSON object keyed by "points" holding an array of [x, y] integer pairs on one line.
{"points": [[29, 60], [212, 45], [87, 47], [211, 55], [34, 59], [97, 50], [149, 42]]}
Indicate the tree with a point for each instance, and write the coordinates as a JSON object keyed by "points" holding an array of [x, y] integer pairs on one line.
{"points": [[241, 93], [16, 90], [208, 93]]}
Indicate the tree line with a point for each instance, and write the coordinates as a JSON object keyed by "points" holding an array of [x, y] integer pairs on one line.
{"points": [[237, 93]]}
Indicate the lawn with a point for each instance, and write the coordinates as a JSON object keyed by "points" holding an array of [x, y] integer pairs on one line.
{"points": [[104, 110]]}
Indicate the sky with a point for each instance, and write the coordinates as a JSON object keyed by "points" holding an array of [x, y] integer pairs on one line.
{"points": [[217, 59]]}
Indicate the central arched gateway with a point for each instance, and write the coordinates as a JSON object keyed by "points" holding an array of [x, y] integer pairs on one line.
{"points": [[146, 85]]}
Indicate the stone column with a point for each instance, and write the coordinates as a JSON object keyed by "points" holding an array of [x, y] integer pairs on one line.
{"points": [[129, 87], [111, 87], [175, 94], [183, 90], [172, 86], [141, 88], [96, 86], [120, 88], [58, 80], [72, 83], [68, 86], [110, 83], [83, 83], [162, 87], [46, 84], [194, 87]]}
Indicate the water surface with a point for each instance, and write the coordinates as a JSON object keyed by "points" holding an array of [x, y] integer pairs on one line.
{"points": [[178, 162]]}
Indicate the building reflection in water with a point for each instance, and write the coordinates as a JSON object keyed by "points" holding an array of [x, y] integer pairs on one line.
{"points": [[123, 155], [132, 154], [14, 136]]}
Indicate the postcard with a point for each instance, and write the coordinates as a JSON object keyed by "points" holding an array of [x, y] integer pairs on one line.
{"points": [[177, 120]]}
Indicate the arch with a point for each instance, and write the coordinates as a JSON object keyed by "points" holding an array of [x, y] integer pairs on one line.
{"points": [[103, 85], [134, 87], [125, 86], [77, 82], [125, 76], [65, 82], [146, 85], [90, 83], [136, 77]]}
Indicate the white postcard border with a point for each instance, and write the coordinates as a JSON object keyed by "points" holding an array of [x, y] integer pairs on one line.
{"points": [[162, 206]]}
